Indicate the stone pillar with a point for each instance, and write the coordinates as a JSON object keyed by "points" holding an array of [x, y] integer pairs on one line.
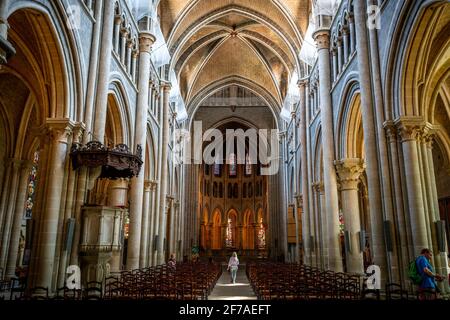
{"points": [[397, 264], [145, 225], [349, 171], [304, 174], [91, 89], [10, 209], [409, 129], [164, 171], [4, 9], [18, 217], [322, 227], [346, 38], [296, 190], [351, 22], [322, 37], [123, 45], [370, 142], [335, 64], [441, 258], [60, 130], [117, 22], [340, 55], [153, 222], [5, 195], [403, 231], [137, 183], [134, 75], [6, 48], [128, 61], [103, 71]]}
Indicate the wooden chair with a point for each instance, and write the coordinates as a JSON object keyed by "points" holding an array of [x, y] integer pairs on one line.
{"points": [[394, 291]]}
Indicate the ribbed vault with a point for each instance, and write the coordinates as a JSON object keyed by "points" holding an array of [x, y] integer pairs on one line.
{"points": [[258, 41]]}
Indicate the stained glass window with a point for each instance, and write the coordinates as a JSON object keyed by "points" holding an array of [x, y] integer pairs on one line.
{"points": [[341, 222], [233, 167], [32, 183], [248, 165], [261, 235], [126, 228], [229, 235]]}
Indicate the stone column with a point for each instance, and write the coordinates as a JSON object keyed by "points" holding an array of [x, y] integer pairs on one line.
{"points": [[10, 209], [322, 37], [5, 194], [340, 55], [137, 183], [397, 265], [370, 141], [346, 38], [117, 22], [92, 84], [103, 71], [153, 222], [4, 9], [296, 191], [123, 45], [351, 22], [349, 171], [128, 61], [409, 129], [6, 48], [60, 130], [145, 225], [164, 171], [134, 75], [321, 249], [441, 258], [304, 174], [18, 217], [335, 64], [402, 231]]}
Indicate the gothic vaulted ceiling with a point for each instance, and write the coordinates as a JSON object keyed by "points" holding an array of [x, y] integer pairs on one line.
{"points": [[257, 41]]}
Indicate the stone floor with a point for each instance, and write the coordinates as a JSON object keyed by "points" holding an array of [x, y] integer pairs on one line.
{"points": [[225, 290]]}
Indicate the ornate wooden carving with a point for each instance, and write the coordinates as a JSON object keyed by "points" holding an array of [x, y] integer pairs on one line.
{"points": [[117, 162]]}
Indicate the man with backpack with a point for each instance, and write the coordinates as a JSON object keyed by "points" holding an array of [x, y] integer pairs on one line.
{"points": [[427, 283]]}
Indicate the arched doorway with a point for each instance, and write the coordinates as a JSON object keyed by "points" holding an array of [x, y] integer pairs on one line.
{"points": [[231, 230], [248, 232], [216, 243]]}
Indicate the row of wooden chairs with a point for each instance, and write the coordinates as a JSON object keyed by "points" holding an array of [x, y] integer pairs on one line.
{"points": [[291, 281], [187, 281]]}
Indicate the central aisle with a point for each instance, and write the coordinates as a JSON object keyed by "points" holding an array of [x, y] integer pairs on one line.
{"points": [[225, 290]]}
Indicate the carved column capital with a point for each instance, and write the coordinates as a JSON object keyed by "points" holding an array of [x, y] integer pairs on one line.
{"points": [[165, 86], [147, 185], [117, 20], [146, 40], [345, 30], [428, 134], [319, 187], [409, 128], [391, 131], [78, 132], [59, 129], [302, 83], [322, 38], [349, 171], [124, 32]]}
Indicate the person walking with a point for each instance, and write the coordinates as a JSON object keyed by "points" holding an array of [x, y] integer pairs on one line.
{"points": [[233, 266], [172, 263], [427, 288]]}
